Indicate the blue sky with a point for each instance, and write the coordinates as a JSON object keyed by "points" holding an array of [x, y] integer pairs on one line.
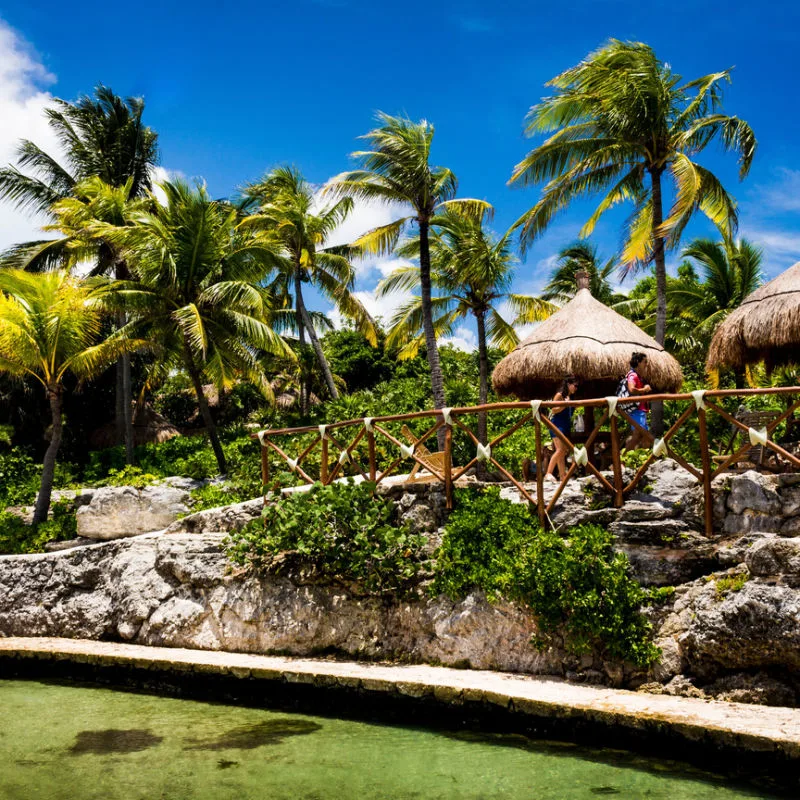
{"points": [[235, 88]]}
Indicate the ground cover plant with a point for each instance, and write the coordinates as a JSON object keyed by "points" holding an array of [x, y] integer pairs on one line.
{"points": [[343, 532]]}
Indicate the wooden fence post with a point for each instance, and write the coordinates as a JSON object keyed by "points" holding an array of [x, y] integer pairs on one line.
{"points": [[264, 470], [448, 466], [705, 456], [373, 469], [616, 462], [539, 473], [323, 469]]}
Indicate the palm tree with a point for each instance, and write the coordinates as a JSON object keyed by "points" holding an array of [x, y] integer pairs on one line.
{"points": [[622, 118], [197, 291], [397, 170], [287, 212], [102, 137], [472, 273], [730, 271], [562, 285], [51, 325]]}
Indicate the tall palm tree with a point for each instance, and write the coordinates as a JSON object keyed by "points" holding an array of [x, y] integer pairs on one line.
{"points": [[51, 325], [472, 273], [562, 285], [397, 169], [103, 137], [622, 120], [287, 211], [730, 270], [197, 291]]}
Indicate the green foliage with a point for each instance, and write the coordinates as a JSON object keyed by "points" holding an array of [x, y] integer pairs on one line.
{"points": [[355, 360], [214, 495], [19, 478], [343, 532], [129, 476], [578, 588], [16, 537], [730, 584]]}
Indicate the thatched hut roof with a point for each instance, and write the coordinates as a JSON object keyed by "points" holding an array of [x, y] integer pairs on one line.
{"points": [[765, 327], [590, 340], [149, 427]]}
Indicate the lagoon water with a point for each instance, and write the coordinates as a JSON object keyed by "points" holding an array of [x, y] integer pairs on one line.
{"points": [[78, 743]]}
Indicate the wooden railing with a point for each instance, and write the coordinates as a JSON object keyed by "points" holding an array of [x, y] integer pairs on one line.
{"points": [[340, 444]]}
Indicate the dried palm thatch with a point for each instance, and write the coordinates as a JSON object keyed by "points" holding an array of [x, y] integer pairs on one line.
{"points": [[149, 427], [765, 327], [587, 339]]}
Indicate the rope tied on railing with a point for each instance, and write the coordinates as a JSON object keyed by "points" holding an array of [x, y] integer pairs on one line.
{"points": [[368, 424], [659, 448], [535, 405], [757, 436], [344, 456], [322, 431], [292, 462], [446, 412], [261, 435], [580, 456], [407, 450], [612, 406], [484, 452], [698, 396]]}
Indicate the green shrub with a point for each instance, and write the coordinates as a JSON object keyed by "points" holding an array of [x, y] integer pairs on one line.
{"points": [[17, 538], [342, 531], [214, 495], [578, 588], [129, 476]]}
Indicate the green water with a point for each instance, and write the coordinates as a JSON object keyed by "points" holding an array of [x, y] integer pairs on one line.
{"points": [[80, 743]]}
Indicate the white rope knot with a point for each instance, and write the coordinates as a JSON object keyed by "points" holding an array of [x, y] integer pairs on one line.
{"points": [[292, 462], [484, 452], [659, 448], [344, 456], [535, 404], [448, 420], [368, 424], [698, 396], [322, 429], [580, 456], [261, 435], [407, 450], [757, 436], [612, 406]]}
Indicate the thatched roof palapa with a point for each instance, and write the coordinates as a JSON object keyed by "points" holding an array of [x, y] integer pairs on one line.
{"points": [[765, 327], [590, 340]]}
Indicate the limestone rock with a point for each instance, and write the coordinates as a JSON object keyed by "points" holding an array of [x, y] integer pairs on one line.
{"points": [[667, 566], [734, 551], [791, 501], [119, 511], [752, 491], [226, 518], [760, 688], [774, 556]]}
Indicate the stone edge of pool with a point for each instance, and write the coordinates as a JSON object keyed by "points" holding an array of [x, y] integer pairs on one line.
{"points": [[735, 738]]}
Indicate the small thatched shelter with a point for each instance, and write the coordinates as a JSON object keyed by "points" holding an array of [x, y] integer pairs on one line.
{"points": [[149, 427], [765, 327], [590, 340]]}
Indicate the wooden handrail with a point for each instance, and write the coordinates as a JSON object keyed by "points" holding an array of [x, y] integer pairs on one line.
{"points": [[449, 474]]}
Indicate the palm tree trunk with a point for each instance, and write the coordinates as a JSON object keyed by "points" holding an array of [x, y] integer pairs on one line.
{"points": [[659, 258], [205, 411], [301, 337], [483, 385], [437, 381], [127, 396], [49, 463], [315, 343]]}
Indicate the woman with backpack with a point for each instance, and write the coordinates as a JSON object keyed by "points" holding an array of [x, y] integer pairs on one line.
{"points": [[561, 417], [635, 385]]}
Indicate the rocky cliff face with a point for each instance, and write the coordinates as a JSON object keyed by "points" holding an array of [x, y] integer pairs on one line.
{"points": [[730, 629]]}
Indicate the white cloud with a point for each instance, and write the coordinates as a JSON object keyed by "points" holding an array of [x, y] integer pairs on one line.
{"points": [[783, 195], [463, 338], [383, 308], [22, 105]]}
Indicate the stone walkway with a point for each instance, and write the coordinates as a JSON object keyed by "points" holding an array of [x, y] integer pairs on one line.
{"points": [[734, 726]]}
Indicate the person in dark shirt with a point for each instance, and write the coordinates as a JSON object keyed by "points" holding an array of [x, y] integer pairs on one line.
{"points": [[561, 417]]}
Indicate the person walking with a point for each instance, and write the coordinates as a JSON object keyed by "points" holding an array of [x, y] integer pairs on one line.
{"points": [[637, 386], [561, 417]]}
